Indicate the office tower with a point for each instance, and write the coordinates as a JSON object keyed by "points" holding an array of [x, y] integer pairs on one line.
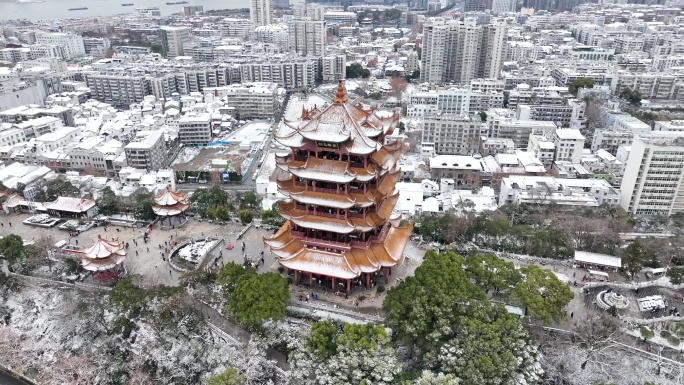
{"points": [[260, 12], [502, 6], [307, 37], [457, 52], [70, 44], [173, 39]]}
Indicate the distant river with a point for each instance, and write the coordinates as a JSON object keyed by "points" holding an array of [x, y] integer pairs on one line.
{"points": [[53, 9]]}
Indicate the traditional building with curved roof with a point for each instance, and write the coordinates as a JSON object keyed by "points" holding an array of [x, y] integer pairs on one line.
{"points": [[103, 254], [341, 179], [169, 204]]}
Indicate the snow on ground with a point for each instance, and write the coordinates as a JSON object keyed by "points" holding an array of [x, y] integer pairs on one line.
{"points": [[187, 154], [421, 170], [562, 277], [194, 252]]}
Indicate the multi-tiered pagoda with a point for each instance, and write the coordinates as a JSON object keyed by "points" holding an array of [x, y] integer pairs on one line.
{"points": [[341, 180], [103, 254]]}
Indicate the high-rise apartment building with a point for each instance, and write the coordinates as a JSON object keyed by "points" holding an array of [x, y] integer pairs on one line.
{"points": [[457, 52], [260, 12], [653, 182], [71, 44], [173, 39], [307, 37]]}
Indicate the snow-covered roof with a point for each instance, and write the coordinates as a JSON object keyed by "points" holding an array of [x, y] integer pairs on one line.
{"points": [[598, 259]]}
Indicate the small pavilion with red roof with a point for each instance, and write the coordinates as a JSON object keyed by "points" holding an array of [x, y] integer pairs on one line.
{"points": [[170, 204], [104, 254]]}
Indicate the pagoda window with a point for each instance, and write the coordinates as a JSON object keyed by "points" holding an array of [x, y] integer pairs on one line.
{"points": [[345, 157], [356, 161], [300, 155], [330, 155]]}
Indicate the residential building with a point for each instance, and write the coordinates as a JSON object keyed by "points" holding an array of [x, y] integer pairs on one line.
{"points": [[195, 129], [70, 44], [568, 142], [652, 183], [118, 88], [147, 151], [459, 52], [543, 149], [610, 140], [493, 146], [452, 134], [333, 68], [172, 39], [260, 12], [464, 170], [250, 100], [502, 123], [544, 190], [671, 125], [307, 37]]}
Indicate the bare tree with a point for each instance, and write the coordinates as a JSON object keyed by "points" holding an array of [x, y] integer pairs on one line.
{"points": [[398, 85]]}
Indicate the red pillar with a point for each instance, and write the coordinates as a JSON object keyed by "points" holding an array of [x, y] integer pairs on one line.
{"points": [[333, 284], [311, 281], [348, 287], [386, 275], [296, 276], [368, 280]]}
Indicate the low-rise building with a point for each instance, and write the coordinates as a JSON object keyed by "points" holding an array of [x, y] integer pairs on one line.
{"points": [[147, 152], [464, 170], [250, 100], [195, 129], [544, 190]]}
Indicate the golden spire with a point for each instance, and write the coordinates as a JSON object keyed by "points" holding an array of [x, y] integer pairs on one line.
{"points": [[341, 95]]}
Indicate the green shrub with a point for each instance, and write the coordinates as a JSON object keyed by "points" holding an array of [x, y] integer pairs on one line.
{"points": [[381, 288], [674, 341], [665, 334]]}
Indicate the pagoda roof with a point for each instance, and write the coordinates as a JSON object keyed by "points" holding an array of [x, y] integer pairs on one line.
{"points": [[342, 122], [324, 170], [103, 254], [324, 223], [170, 198], [293, 254], [170, 203], [104, 248]]}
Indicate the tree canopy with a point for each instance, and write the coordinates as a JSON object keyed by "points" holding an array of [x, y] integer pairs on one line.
{"points": [[229, 276], [11, 247], [108, 204], [355, 70], [631, 96], [229, 377], [580, 83], [542, 294], [142, 208], [444, 318], [634, 259], [56, 188], [258, 298], [357, 354], [210, 202]]}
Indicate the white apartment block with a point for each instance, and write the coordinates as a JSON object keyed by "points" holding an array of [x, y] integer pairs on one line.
{"points": [[147, 152], [70, 43], [250, 100], [544, 190], [39, 126], [11, 137], [653, 180], [195, 129], [118, 88], [651, 85], [339, 17], [493, 146], [672, 126], [610, 140], [15, 55], [569, 144], [631, 124], [307, 37], [452, 134], [59, 138], [277, 34], [333, 68], [543, 149], [502, 123], [459, 52], [260, 12], [172, 39]]}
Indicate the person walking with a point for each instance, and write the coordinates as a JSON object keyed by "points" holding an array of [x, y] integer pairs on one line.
{"points": [[572, 314]]}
